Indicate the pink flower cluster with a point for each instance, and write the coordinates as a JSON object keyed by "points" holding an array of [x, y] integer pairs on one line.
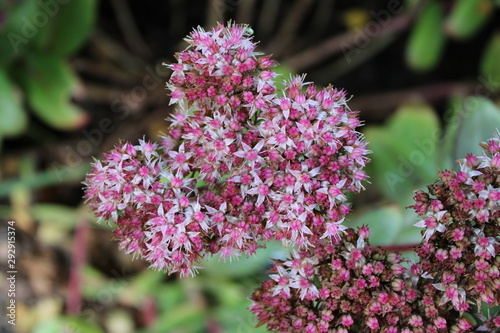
{"points": [[348, 286], [242, 163], [461, 217]]}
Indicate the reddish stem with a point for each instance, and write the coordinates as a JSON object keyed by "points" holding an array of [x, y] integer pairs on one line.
{"points": [[376, 107], [340, 43], [214, 327], [78, 259], [149, 311]]}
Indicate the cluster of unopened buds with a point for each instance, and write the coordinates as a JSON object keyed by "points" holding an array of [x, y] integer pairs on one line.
{"points": [[244, 163]]}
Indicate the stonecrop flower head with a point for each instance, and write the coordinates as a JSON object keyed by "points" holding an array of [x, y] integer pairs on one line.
{"points": [[348, 286], [461, 247], [241, 163]]}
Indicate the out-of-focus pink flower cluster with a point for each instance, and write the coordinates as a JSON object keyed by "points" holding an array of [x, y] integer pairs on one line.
{"points": [[242, 163], [348, 286], [461, 246]]}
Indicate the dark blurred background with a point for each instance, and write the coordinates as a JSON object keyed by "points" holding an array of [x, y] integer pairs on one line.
{"points": [[78, 76]]}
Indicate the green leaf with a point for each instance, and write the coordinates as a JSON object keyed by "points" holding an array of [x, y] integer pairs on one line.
{"points": [[77, 324], [67, 324], [187, 316], [409, 234], [405, 150], [94, 282], [385, 223], [56, 175], [232, 313], [168, 295], [285, 72], [70, 25], [383, 169], [227, 292], [5, 212], [427, 39], [18, 31], [416, 132], [467, 17], [146, 283], [490, 66], [12, 112], [452, 122], [55, 222], [214, 266], [56, 215], [479, 120], [49, 83], [49, 326]]}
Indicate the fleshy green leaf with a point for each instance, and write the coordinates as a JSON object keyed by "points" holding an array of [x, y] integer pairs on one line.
{"points": [[409, 234], [70, 25], [452, 121], [49, 83], [49, 326], [479, 120], [232, 312], [146, 283], [385, 224], [94, 282], [214, 266], [82, 325], [187, 316], [12, 114], [238, 318], [285, 72], [55, 175], [405, 150], [490, 66], [415, 129], [67, 324], [19, 30], [168, 295], [467, 17], [383, 169], [57, 215], [426, 42]]}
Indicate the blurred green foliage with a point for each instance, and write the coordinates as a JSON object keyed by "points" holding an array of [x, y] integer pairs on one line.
{"points": [[217, 295], [409, 150], [427, 39], [489, 67], [36, 40], [425, 45], [467, 17]]}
